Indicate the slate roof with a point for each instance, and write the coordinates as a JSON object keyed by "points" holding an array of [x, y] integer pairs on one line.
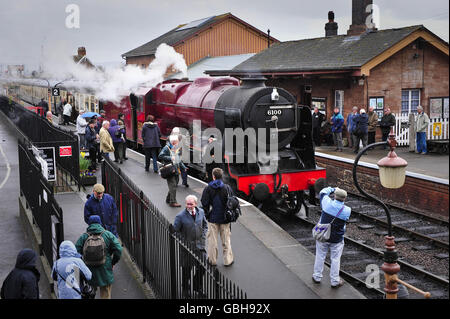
{"points": [[173, 36], [196, 69], [339, 52]]}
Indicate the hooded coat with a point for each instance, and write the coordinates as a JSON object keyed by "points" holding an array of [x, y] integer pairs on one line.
{"points": [[151, 135], [105, 208], [102, 275], [116, 132], [68, 269], [214, 200], [22, 281]]}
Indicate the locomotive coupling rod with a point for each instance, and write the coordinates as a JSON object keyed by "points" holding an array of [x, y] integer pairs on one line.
{"points": [[425, 294]]}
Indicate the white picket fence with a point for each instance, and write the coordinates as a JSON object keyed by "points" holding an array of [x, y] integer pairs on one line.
{"points": [[401, 129]]}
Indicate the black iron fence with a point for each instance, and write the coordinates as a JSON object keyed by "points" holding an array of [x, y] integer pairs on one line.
{"points": [[38, 193], [45, 135], [170, 264]]}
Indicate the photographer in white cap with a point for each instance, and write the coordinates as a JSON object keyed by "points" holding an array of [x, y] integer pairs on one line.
{"points": [[334, 211]]}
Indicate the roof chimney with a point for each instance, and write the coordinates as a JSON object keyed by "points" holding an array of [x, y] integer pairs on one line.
{"points": [[81, 51], [331, 28], [361, 10]]}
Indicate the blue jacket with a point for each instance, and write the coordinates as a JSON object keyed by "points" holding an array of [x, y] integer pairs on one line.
{"points": [[214, 200], [362, 122], [338, 123], [151, 135], [22, 281], [330, 208], [193, 230], [113, 129], [67, 270], [105, 208], [351, 122]]}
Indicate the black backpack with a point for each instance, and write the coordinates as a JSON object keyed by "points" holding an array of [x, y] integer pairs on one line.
{"points": [[94, 250], [232, 208]]}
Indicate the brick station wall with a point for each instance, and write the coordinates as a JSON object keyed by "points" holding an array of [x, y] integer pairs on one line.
{"points": [[416, 194]]}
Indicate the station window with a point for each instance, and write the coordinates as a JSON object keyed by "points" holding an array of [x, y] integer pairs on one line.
{"points": [[410, 100], [378, 106], [339, 99]]}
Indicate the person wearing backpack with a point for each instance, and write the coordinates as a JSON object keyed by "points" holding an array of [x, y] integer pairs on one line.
{"points": [[68, 271], [334, 211], [103, 205], [214, 202], [101, 250]]}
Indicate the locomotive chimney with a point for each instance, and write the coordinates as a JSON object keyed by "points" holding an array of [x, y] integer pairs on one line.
{"points": [[331, 28], [250, 83], [81, 51], [361, 10]]}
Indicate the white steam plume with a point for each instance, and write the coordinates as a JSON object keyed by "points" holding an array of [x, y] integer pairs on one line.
{"points": [[116, 82]]}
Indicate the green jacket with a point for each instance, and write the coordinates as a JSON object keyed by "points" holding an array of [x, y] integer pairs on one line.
{"points": [[422, 122], [102, 275]]}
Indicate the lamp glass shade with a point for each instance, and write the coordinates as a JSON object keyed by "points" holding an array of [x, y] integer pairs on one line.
{"points": [[392, 177]]}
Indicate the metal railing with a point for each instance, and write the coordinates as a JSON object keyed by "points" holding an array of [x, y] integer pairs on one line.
{"points": [[171, 265], [42, 133], [38, 193]]}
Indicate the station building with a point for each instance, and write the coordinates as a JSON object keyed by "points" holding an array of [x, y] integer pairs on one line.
{"points": [[216, 36], [399, 68]]}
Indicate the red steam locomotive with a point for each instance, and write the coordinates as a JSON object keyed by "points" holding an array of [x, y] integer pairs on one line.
{"points": [[278, 178]]}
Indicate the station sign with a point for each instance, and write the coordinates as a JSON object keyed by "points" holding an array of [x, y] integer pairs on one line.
{"points": [[55, 91], [65, 151], [46, 157]]}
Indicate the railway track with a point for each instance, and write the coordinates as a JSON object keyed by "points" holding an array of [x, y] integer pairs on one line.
{"points": [[360, 262]]}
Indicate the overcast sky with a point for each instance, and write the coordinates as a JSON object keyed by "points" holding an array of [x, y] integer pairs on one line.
{"points": [[109, 28]]}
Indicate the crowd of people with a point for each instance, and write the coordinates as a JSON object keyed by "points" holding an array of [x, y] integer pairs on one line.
{"points": [[362, 127]]}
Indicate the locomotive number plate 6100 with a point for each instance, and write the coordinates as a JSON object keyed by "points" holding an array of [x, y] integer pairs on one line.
{"points": [[272, 112]]}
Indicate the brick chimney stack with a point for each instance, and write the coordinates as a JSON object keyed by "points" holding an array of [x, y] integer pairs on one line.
{"points": [[359, 16], [331, 28], [81, 51]]}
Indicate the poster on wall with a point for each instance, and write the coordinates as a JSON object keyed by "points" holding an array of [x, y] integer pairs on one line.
{"points": [[436, 108]]}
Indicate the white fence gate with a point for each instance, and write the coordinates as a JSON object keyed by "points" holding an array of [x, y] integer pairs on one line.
{"points": [[401, 129]]}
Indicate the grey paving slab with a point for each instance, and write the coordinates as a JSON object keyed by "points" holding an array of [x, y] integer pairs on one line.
{"points": [[435, 165], [269, 263], [125, 285]]}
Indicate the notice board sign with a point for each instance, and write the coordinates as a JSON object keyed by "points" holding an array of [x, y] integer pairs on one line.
{"points": [[65, 151], [48, 155]]}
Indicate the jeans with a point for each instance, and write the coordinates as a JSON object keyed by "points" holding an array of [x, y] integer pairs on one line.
{"points": [[151, 152], [172, 182], [335, 257], [421, 142]]}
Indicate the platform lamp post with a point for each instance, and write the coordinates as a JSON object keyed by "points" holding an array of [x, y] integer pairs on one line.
{"points": [[392, 171]]}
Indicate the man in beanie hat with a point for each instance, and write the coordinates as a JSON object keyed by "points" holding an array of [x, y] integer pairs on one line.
{"points": [[102, 275], [104, 206], [335, 212]]}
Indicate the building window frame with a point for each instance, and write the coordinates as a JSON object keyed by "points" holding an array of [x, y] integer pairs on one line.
{"points": [[410, 100], [339, 100]]}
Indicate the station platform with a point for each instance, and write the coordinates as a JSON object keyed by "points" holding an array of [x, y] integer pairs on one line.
{"points": [[269, 263], [431, 165]]}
